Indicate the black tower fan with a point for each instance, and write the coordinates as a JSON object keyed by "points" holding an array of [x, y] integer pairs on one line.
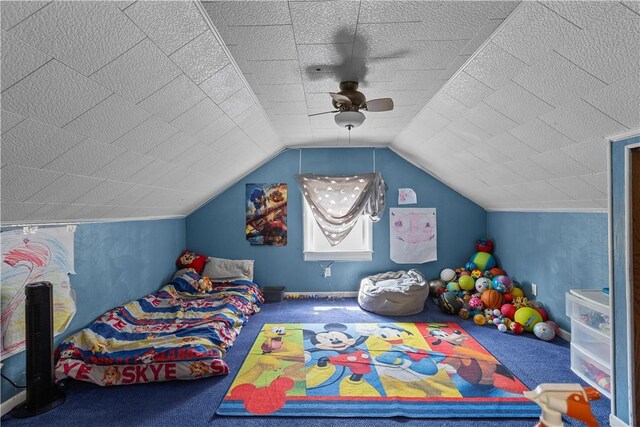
{"points": [[42, 393]]}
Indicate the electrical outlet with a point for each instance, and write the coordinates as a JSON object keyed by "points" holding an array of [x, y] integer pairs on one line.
{"points": [[534, 289], [327, 272]]}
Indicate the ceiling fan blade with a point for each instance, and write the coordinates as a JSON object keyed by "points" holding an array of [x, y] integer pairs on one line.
{"points": [[326, 112], [340, 99], [380, 104]]}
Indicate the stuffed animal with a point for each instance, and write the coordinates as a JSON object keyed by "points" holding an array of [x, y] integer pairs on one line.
{"points": [[204, 284]]}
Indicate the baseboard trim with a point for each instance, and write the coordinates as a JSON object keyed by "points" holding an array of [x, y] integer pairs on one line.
{"points": [[310, 295], [565, 335], [12, 402], [616, 422]]}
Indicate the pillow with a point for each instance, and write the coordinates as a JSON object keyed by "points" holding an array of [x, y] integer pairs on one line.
{"points": [[227, 270], [190, 259]]}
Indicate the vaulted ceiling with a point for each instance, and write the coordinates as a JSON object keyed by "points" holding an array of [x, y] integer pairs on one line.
{"points": [[150, 108]]}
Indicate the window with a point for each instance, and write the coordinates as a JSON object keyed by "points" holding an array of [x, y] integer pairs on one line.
{"points": [[357, 246]]}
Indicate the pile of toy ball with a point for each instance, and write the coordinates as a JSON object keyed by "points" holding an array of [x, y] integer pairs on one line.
{"points": [[483, 292]]}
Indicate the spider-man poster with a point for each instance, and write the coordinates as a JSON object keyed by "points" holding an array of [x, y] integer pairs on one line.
{"points": [[413, 237], [266, 222]]}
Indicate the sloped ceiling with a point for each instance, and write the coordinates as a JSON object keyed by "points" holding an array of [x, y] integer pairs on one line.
{"points": [[138, 109]]}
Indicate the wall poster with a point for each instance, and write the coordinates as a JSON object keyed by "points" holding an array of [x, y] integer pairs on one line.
{"points": [[266, 220], [413, 238], [46, 255]]}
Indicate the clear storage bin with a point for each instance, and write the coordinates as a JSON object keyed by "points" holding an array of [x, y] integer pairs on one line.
{"points": [[592, 342], [591, 308], [591, 370]]}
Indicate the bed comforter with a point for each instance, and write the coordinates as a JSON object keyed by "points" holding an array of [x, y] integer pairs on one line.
{"points": [[174, 333]]}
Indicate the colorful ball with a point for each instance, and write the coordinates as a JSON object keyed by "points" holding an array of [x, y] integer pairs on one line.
{"points": [[466, 298], [470, 266], [497, 321], [496, 312], [434, 285], [484, 245], [543, 313], [502, 327], [476, 274], [492, 298], [483, 260], [467, 283], [520, 302], [516, 292], [508, 310], [463, 313], [447, 275], [544, 331], [495, 271], [507, 322], [516, 328], [476, 304], [449, 303], [527, 317], [507, 297], [479, 319], [453, 286], [554, 325], [483, 284], [501, 283]]}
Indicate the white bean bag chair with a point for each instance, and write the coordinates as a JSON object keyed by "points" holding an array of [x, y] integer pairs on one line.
{"points": [[394, 293]]}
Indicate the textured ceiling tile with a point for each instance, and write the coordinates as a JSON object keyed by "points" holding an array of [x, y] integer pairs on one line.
{"points": [[206, 163], [14, 12], [173, 99], [173, 147], [481, 36], [201, 58], [239, 102], [619, 100], [249, 116], [35, 144], [100, 33], [54, 94], [633, 5], [259, 13], [529, 170], [495, 177], [18, 60], [448, 106], [577, 188], [454, 67], [580, 121], [85, 158], [172, 175], [131, 196], [383, 40], [485, 156], [170, 24], [453, 20], [146, 136], [539, 191], [469, 131], [91, 212], [467, 90], [598, 180], [65, 189], [289, 108], [534, 31], [197, 117], [15, 211], [338, 21], [9, 120], [494, 66], [592, 154], [608, 49], [274, 72], [138, 73], [235, 137], [559, 163], [109, 120], [489, 120], [511, 146], [557, 80], [54, 212], [540, 136], [222, 84], [432, 119], [581, 13], [122, 167], [516, 103], [279, 92], [449, 140], [150, 173], [19, 183], [103, 193], [269, 42], [210, 133], [195, 153], [414, 79], [372, 11]]}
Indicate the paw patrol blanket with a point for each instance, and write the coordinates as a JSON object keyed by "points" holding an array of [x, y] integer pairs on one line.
{"points": [[177, 332], [417, 370]]}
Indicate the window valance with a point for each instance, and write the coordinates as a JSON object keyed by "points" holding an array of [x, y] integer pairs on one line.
{"points": [[338, 201]]}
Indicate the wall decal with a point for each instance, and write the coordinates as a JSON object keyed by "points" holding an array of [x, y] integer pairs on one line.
{"points": [[406, 196], [413, 238], [266, 221], [43, 255]]}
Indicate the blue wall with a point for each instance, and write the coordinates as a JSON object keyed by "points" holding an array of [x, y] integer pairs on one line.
{"points": [[115, 263], [620, 332], [217, 229], [557, 251]]}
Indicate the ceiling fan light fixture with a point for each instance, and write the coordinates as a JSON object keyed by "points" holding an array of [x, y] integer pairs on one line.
{"points": [[349, 119]]}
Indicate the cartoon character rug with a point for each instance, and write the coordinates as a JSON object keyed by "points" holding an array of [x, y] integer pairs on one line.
{"points": [[417, 370]]}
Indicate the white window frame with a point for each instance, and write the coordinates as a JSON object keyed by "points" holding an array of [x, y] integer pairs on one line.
{"points": [[357, 246]]}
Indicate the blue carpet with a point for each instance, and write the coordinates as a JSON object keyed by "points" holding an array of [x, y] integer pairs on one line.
{"points": [[194, 402]]}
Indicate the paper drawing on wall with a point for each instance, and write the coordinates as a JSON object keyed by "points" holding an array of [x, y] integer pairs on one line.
{"points": [[406, 196], [266, 222], [413, 238], [44, 256]]}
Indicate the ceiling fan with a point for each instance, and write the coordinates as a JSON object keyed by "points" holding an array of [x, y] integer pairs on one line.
{"points": [[348, 103]]}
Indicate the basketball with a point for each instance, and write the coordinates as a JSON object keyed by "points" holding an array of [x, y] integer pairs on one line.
{"points": [[492, 298], [527, 317]]}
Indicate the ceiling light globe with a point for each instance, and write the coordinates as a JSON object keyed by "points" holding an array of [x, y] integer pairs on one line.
{"points": [[349, 119]]}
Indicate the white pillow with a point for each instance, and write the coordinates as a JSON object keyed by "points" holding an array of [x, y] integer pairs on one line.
{"points": [[228, 270]]}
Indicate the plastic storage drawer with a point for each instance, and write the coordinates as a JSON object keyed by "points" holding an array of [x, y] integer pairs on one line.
{"points": [[592, 341], [591, 370], [591, 308]]}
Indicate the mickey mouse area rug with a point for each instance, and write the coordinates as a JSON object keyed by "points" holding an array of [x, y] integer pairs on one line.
{"points": [[417, 370]]}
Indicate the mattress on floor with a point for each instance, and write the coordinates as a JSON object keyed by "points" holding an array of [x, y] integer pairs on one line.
{"points": [[176, 333], [394, 293]]}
